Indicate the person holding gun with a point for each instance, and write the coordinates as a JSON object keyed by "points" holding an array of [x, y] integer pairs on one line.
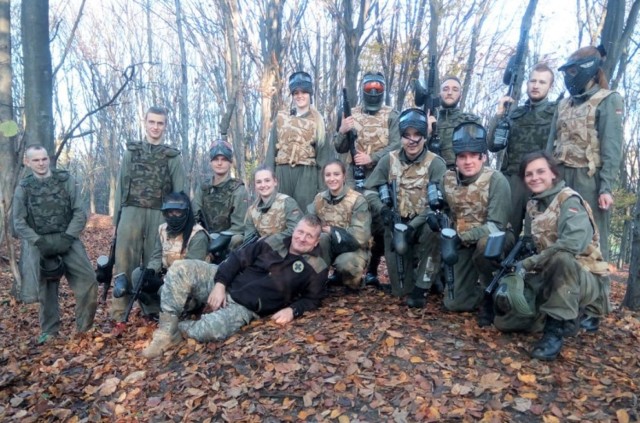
{"points": [[376, 135], [409, 169], [478, 200], [346, 227], [220, 204], [48, 212], [529, 127], [567, 276]]}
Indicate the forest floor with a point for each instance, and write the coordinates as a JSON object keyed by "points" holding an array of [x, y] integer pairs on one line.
{"points": [[359, 358]]}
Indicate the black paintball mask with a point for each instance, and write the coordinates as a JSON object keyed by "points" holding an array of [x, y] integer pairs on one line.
{"points": [[578, 72], [413, 118], [373, 86], [301, 81], [176, 209], [469, 137]]}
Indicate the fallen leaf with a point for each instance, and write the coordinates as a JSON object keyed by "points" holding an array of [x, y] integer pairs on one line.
{"points": [[527, 378], [622, 416]]}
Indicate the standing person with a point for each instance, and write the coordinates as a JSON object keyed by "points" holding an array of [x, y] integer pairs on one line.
{"points": [[280, 275], [586, 136], [272, 212], [180, 237], [530, 128], [48, 212], [221, 203], [479, 203], [297, 146], [376, 127], [567, 276], [410, 168], [450, 116], [346, 226]]}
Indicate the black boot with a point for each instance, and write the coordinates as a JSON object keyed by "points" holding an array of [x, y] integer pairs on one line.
{"points": [[590, 323], [486, 314], [549, 346], [417, 298], [334, 280], [371, 278]]}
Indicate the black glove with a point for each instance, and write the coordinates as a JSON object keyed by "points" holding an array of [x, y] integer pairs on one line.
{"points": [[152, 281], [387, 215], [411, 235], [46, 248], [432, 221], [65, 243], [342, 242]]}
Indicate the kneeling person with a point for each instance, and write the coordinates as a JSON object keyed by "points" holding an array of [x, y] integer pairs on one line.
{"points": [[280, 274]]}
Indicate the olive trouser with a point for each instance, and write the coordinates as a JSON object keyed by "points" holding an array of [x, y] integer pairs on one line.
{"points": [[136, 239], [299, 182], [562, 290], [82, 281]]}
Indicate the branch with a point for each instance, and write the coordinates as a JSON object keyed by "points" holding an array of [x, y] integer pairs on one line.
{"points": [[128, 77], [68, 45]]}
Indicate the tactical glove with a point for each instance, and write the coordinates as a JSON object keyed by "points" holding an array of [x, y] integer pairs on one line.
{"points": [[65, 243], [152, 281], [432, 221], [46, 248], [342, 241], [387, 215]]}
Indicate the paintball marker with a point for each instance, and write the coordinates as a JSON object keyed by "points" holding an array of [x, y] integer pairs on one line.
{"points": [[253, 237], [148, 281], [449, 240], [219, 244], [104, 264], [523, 248], [429, 98], [398, 231], [358, 171]]}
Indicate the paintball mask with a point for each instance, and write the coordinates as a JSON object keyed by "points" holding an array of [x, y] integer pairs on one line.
{"points": [[469, 137], [51, 268], [221, 148], [301, 81], [175, 209], [373, 91], [413, 118], [578, 73]]}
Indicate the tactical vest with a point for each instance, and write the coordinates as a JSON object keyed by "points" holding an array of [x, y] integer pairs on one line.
{"points": [[412, 179], [296, 139], [338, 214], [149, 179], [48, 202], [577, 144], [217, 204], [544, 230], [373, 130], [468, 203], [271, 221], [448, 119], [530, 127], [171, 247]]}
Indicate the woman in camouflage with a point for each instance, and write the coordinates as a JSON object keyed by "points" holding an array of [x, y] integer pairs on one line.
{"points": [[346, 228]]}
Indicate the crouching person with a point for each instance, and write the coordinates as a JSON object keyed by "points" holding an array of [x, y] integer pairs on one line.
{"points": [[567, 278], [280, 275]]}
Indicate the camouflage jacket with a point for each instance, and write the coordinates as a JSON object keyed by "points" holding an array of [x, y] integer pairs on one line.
{"points": [[223, 207], [280, 213], [448, 119], [167, 249]]}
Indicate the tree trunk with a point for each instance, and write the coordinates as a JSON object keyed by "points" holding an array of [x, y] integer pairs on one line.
{"points": [[184, 92], [632, 296], [38, 81]]}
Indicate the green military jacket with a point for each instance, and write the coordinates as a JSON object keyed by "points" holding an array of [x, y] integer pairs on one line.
{"points": [[448, 119], [228, 202]]}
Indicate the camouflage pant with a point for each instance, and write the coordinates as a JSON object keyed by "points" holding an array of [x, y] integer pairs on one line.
{"points": [[194, 279], [562, 290], [82, 280], [136, 238]]}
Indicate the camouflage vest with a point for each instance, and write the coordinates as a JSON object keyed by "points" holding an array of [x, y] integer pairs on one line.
{"points": [[339, 213], [530, 127], [149, 179], [544, 230], [217, 204], [171, 247], [412, 179], [296, 139], [373, 130], [468, 203], [271, 221], [448, 119], [48, 202], [577, 144]]}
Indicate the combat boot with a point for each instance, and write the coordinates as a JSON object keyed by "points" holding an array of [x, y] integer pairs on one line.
{"points": [[166, 336], [549, 346], [590, 323], [371, 278], [486, 314], [417, 298]]}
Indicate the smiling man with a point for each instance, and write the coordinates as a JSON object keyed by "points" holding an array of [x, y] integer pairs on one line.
{"points": [[530, 127], [282, 276]]}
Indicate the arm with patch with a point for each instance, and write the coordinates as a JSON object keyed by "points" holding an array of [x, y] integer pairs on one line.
{"points": [[609, 126], [498, 210], [238, 260], [394, 142]]}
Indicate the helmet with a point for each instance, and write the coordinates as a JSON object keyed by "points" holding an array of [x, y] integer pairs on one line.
{"points": [[175, 209], [221, 148], [469, 137], [413, 118], [578, 72], [52, 268], [301, 81], [510, 298], [373, 91]]}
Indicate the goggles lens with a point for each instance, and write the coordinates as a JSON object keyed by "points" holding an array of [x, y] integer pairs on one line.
{"points": [[368, 87]]}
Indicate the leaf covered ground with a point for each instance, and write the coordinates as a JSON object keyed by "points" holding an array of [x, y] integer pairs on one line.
{"points": [[360, 358]]}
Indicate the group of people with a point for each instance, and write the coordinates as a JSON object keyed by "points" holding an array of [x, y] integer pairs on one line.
{"points": [[313, 223]]}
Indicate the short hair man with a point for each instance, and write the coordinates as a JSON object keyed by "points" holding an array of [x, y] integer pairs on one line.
{"points": [[150, 170], [280, 275], [48, 212], [530, 125], [450, 116]]}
